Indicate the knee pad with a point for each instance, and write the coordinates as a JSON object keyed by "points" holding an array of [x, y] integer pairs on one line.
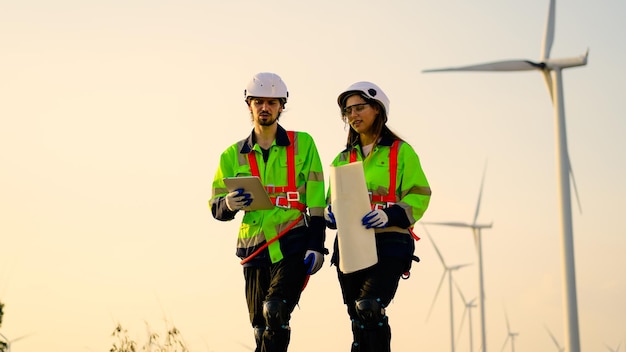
{"points": [[276, 314], [258, 334], [370, 311]]}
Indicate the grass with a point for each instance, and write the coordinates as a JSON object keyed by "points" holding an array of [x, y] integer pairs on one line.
{"points": [[171, 341], [3, 344]]}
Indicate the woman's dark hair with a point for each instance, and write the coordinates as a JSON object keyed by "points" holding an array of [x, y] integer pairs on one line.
{"points": [[380, 127]]}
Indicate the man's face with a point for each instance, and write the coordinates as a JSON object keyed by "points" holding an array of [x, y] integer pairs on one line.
{"points": [[265, 111]]}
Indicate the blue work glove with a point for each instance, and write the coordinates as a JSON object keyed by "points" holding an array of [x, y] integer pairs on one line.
{"points": [[376, 218], [329, 216], [314, 260], [238, 200]]}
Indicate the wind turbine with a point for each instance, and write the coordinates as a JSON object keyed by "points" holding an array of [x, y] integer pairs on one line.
{"points": [[476, 230], [468, 310], [510, 335], [551, 70], [447, 271]]}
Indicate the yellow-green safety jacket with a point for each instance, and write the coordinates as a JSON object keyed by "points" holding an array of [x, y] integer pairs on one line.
{"points": [[412, 193], [260, 226]]}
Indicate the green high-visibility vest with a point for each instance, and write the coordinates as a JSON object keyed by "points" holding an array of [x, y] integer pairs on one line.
{"points": [[260, 226]]}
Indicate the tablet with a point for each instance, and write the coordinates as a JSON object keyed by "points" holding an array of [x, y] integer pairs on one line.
{"points": [[252, 185]]}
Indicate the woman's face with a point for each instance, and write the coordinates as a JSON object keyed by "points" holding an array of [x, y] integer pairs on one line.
{"points": [[360, 114]]}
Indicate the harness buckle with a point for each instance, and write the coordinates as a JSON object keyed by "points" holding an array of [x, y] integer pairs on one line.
{"points": [[293, 196], [270, 189], [285, 204]]}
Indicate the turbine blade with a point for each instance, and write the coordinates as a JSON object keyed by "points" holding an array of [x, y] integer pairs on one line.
{"points": [[508, 65], [457, 267], [553, 338], [437, 250], [461, 324], [19, 338], [448, 223], [508, 327], [571, 172], [436, 294], [548, 79], [505, 341], [460, 293], [480, 194], [425, 229], [548, 37]]}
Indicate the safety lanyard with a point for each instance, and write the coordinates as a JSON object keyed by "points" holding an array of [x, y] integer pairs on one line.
{"points": [[292, 197]]}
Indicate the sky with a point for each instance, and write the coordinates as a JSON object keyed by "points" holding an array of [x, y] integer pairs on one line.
{"points": [[113, 115]]}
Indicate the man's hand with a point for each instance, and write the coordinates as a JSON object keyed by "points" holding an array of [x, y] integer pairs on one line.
{"points": [[314, 261], [237, 200]]}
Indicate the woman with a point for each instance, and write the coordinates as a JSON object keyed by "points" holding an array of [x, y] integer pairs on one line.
{"points": [[388, 162]]}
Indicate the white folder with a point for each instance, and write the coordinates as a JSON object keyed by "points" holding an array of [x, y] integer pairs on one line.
{"points": [[350, 202]]}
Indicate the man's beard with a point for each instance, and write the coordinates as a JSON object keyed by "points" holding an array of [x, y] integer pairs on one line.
{"points": [[268, 121]]}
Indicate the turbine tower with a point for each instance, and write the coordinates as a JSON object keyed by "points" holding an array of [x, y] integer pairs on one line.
{"points": [[468, 310], [476, 230], [551, 70], [447, 271]]}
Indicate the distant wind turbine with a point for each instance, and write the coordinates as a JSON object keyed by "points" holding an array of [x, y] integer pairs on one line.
{"points": [[510, 335], [558, 346], [447, 271], [551, 70], [476, 230], [467, 312]]}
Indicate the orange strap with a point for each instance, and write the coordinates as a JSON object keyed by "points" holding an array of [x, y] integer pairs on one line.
{"points": [[266, 244]]}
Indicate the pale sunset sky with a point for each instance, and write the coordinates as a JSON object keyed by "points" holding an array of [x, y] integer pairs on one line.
{"points": [[113, 115]]}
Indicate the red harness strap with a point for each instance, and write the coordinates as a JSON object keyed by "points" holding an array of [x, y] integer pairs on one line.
{"points": [[291, 199], [390, 198]]}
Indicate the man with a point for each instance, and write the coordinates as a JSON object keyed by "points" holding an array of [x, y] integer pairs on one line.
{"points": [[282, 246]]}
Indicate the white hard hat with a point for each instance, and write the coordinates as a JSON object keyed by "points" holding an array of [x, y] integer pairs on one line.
{"points": [[368, 90], [266, 85]]}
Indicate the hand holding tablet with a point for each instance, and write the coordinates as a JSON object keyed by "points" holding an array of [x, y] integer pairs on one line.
{"points": [[256, 198]]}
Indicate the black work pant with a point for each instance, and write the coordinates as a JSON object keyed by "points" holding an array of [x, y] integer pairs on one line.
{"points": [[379, 282], [280, 281]]}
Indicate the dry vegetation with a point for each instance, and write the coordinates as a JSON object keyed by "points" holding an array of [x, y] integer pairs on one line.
{"points": [[171, 341], [3, 344]]}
